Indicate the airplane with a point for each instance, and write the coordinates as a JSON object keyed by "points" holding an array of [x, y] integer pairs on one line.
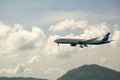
{"points": [[83, 42]]}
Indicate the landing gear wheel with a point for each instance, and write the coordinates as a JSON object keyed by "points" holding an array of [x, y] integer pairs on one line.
{"points": [[85, 45], [81, 46]]}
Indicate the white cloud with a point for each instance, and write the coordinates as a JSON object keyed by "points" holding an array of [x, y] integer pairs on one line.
{"points": [[89, 30], [50, 45], [69, 24], [116, 38], [96, 30], [16, 38], [55, 51]]}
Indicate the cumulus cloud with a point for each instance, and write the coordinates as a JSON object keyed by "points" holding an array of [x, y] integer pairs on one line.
{"points": [[116, 38], [16, 38], [96, 30], [50, 45], [53, 50], [88, 30], [69, 24]]}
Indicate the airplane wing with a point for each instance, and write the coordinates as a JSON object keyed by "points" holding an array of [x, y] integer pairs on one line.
{"points": [[87, 41]]}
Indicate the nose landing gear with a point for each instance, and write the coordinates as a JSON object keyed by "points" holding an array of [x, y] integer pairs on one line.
{"points": [[58, 44]]}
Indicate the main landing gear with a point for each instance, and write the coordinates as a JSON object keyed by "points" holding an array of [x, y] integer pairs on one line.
{"points": [[83, 46]]}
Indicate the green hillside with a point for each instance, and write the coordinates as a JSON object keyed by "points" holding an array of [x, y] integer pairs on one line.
{"points": [[91, 72]]}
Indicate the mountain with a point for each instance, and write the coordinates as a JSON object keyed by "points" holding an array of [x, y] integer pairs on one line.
{"points": [[20, 78], [91, 72]]}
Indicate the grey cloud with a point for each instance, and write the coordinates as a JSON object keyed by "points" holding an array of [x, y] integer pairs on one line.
{"points": [[20, 69]]}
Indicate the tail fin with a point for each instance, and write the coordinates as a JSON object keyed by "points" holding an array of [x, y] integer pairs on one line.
{"points": [[106, 37]]}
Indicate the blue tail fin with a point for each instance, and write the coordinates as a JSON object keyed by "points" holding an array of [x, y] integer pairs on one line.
{"points": [[106, 37]]}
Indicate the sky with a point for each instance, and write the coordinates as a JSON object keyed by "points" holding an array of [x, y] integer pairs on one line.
{"points": [[28, 29]]}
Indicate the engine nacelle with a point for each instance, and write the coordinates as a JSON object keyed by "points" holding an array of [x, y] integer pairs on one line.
{"points": [[73, 44]]}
